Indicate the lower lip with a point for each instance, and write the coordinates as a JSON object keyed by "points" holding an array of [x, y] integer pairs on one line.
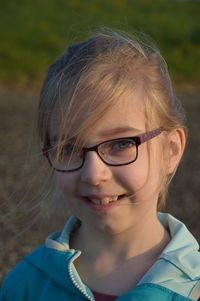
{"points": [[103, 207]]}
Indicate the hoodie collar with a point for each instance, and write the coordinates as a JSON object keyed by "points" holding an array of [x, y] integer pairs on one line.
{"points": [[180, 257], [181, 251], [60, 240]]}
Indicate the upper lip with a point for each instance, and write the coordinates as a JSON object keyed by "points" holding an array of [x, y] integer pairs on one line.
{"points": [[101, 196]]}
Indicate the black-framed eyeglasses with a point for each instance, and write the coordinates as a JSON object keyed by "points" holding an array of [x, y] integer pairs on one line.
{"points": [[114, 152]]}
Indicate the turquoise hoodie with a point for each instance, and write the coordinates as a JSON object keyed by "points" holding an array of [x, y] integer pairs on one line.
{"points": [[48, 273]]}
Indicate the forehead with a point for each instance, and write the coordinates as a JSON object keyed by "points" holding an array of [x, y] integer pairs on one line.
{"points": [[125, 117]]}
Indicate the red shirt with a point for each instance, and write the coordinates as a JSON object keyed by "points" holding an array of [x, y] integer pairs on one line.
{"points": [[103, 297]]}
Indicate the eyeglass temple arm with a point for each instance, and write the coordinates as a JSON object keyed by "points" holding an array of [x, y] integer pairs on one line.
{"points": [[149, 135]]}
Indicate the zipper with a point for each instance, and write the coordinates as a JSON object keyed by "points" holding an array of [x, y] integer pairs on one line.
{"points": [[73, 279]]}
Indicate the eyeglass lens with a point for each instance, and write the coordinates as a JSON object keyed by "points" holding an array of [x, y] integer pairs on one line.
{"points": [[114, 152]]}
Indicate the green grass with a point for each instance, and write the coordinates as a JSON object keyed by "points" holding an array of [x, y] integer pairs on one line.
{"points": [[33, 33]]}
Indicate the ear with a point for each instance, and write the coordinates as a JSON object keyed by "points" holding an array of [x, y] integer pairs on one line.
{"points": [[176, 142]]}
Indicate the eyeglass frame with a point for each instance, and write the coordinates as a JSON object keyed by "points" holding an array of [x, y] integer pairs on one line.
{"points": [[137, 139]]}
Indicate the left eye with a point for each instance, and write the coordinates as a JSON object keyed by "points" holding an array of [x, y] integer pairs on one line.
{"points": [[122, 144]]}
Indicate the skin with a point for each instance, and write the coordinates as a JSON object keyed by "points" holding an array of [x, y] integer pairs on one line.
{"points": [[130, 236]]}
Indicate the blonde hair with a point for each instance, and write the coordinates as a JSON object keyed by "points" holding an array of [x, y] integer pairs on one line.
{"points": [[91, 76]]}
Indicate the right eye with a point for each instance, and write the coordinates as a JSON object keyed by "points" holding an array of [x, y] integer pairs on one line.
{"points": [[68, 149]]}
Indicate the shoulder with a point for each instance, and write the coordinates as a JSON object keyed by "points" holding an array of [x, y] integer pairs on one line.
{"points": [[41, 275], [19, 278]]}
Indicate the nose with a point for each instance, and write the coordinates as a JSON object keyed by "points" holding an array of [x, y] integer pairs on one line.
{"points": [[95, 171]]}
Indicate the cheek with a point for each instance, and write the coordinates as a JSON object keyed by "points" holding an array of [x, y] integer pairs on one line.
{"points": [[142, 177], [65, 182], [140, 168], [135, 175]]}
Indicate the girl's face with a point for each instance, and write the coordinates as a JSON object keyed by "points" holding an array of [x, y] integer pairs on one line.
{"points": [[133, 189]]}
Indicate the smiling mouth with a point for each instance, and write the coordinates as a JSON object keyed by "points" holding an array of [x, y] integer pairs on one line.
{"points": [[105, 200]]}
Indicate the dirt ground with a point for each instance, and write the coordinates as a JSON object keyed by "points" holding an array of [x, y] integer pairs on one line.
{"points": [[19, 179]]}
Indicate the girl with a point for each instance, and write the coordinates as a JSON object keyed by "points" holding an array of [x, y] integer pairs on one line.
{"points": [[113, 132]]}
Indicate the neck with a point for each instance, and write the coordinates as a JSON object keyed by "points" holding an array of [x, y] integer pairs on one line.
{"points": [[147, 239], [121, 258]]}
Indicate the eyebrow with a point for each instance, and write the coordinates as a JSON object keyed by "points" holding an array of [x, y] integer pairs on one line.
{"points": [[119, 130]]}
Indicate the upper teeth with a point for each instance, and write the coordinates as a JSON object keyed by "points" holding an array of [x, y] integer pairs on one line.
{"points": [[103, 201]]}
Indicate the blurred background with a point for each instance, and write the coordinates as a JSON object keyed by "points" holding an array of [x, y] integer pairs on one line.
{"points": [[32, 34]]}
